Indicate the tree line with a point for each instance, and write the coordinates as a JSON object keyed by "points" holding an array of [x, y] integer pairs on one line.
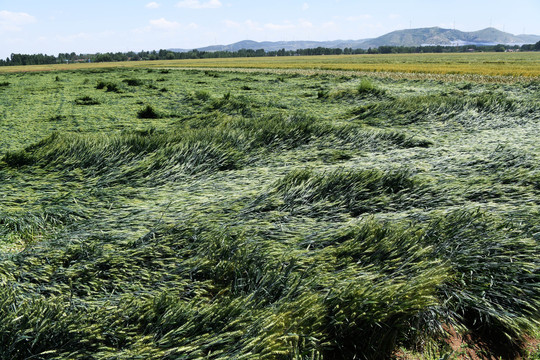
{"points": [[41, 59]]}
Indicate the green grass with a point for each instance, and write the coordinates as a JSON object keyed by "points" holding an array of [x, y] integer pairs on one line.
{"points": [[264, 216]]}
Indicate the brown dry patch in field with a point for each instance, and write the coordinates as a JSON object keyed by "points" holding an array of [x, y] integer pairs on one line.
{"points": [[475, 347], [472, 347], [532, 345]]}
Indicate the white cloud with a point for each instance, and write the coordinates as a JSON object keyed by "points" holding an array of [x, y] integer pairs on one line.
{"points": [[84, 36], [250, 25], [246, 25], [197, 4], [232, 24], [305, 6], [153, 5], [11, 21], [373, 27], [285, 26], [164, 24], [253, 25], [329, 24], [305, 24], [359, 17]]}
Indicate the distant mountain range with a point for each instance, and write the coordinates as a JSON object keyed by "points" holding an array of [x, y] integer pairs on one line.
{"points": [[410, 37], [278, 45], [439, 36]]}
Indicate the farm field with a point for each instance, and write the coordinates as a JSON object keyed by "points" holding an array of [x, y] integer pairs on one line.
{"points": [[169, 213], [478, 67], [490, 64]]}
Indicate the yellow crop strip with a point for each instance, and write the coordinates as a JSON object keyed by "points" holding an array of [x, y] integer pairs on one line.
{"points": [[491, 64], [520, 65]]}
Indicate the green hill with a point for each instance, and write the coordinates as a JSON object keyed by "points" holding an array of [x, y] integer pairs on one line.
{"points": [[409, 37], [440, 36]]}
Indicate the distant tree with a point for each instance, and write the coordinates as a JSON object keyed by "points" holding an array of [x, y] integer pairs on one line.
{"points": [[386, 49], [499, 48], [103, 57], [537, 46]]}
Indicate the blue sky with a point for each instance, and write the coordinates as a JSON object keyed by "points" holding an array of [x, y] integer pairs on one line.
{"points": [[53, 26]]}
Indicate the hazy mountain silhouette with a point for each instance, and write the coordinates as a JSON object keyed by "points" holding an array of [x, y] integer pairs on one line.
{"points": [[409, 37]]}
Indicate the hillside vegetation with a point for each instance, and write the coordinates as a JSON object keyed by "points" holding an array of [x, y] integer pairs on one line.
{"points": [[199, 214], [440, 36]]}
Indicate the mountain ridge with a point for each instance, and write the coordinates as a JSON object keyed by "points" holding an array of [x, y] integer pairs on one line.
{"points": [[409, 37]]}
